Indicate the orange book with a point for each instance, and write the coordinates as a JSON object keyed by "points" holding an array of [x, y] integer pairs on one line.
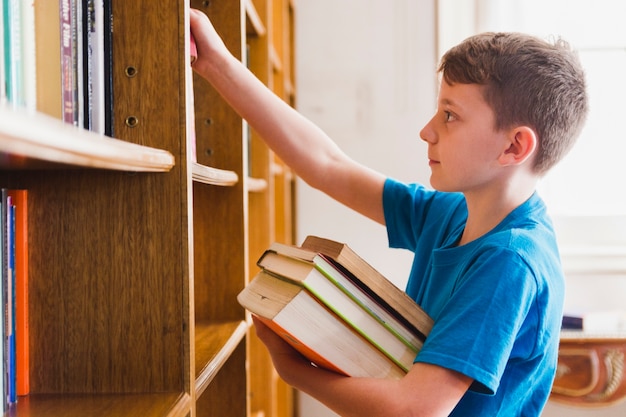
{"points": [[304, 349], [19, 198]]}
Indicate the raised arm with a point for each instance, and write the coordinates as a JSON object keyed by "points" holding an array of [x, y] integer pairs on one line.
{"points": [[296, 140]]}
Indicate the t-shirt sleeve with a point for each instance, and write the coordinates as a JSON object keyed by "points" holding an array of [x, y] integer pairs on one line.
{"points": [[412, 211], [480, 327]]}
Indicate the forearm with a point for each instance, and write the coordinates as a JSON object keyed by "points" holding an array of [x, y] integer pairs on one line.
{"points": [[358, 397], [302, 145], [297, 141]]}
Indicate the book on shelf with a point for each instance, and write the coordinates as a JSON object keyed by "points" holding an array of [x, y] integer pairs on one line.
{"points": [[19, 199], [8, 295], [70, 68], [338, 290], [13, 48], [4, 294], [316, 332], [3, 92], [14, 255], [55, 60], [93, 68], [107, 66], [48, 58]]}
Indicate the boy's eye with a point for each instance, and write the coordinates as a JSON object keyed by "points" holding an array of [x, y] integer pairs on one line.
{"points": [[448, 116]]}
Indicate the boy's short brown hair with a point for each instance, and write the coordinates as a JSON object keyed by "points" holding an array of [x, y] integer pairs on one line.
{"points": [[527, 81]]}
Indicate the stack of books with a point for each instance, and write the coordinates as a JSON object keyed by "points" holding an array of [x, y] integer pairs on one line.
{"points": [[336, 309]]}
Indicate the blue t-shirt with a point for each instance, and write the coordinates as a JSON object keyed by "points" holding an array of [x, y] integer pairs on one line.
{"points": [[496, 301]]}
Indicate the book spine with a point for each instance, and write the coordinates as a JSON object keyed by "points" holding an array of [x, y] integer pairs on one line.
{"points": [[3, 92], [22, 351], [68, 64], [48, 58], [96, 44], [11, 294], [364, 299], [4, 296], [107, 67], [28, 54], [87, 24], [7, 295], [13, 65]]}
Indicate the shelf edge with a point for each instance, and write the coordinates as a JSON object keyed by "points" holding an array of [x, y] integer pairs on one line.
{"points": [[203, 380], [214, 176], [33, 135]]}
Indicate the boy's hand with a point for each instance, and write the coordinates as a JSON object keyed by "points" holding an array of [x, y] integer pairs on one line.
{"points": [[209, 44]]}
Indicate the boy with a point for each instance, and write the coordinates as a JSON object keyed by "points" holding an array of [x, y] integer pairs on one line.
{"points": [[486, 264]]}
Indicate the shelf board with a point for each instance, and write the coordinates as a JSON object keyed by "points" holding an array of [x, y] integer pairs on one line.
{"points": [[214, 176], [256, 185], [102, 405], [254, 23], [214, 345], [31, 140], [277, 63]]}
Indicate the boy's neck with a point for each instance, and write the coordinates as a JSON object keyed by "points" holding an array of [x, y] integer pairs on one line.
{"points": [[486, 209]]}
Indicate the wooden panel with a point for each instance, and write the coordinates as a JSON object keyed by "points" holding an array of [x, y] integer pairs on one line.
{"points": [[227, 392], [106, 312], [148, 83], [220, 220], [215, 342]]}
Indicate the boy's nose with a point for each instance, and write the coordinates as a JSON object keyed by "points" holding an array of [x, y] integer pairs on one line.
{"points": [[427, 133]]}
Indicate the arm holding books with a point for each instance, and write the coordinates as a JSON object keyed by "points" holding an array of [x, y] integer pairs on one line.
{"points": [[296, 140], [426, 390]]}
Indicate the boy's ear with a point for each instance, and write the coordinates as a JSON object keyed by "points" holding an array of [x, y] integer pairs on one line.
{"points": [[522, 143]]}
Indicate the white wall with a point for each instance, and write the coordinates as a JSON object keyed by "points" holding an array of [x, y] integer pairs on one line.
{"points": [[366, 75]]}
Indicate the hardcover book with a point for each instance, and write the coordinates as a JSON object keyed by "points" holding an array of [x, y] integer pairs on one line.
{"points": [[320, 335], [391, 324]]}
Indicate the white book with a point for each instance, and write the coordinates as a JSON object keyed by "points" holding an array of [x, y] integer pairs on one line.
{"points": [[28, 53], [3, 92], [96, 44]]}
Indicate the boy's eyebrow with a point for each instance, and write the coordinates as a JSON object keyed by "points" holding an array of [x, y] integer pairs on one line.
{"points": [[449, 102]]}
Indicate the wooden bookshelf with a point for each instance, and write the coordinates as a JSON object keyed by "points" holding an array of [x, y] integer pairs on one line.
{"points": [[138, 248], [271, 198]]}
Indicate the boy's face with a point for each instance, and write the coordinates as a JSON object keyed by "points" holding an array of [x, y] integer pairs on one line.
{"points": [[463, 145]]}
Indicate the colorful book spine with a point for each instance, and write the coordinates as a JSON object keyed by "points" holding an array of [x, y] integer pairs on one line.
{"points": [[12, 392], [68, 62], [13, 65], [3, 92], [22, 351], [4, 377], [14, 255]]}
